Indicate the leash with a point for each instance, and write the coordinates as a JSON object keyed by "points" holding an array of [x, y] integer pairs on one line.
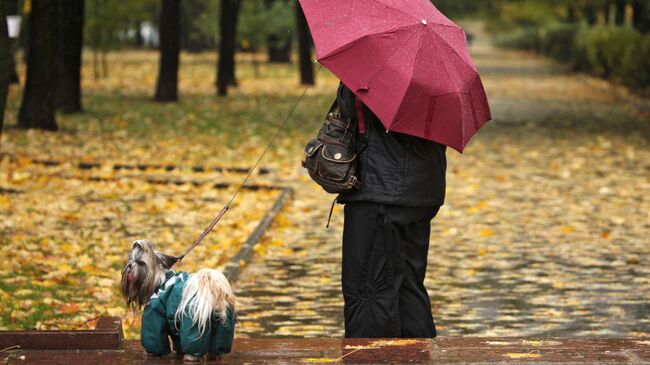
{"points": [[248, 176]]}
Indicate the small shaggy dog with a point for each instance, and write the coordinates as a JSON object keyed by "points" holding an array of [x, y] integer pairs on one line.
{"points": [[196, 311]]}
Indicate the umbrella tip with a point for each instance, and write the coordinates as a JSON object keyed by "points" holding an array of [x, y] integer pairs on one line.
{"points": [[424, 21]]}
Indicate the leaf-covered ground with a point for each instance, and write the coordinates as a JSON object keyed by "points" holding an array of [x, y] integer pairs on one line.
{"points": [[65, 230], [544, 232]]}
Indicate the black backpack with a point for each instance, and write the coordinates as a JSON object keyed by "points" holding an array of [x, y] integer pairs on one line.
{"points": [[331, 158]]}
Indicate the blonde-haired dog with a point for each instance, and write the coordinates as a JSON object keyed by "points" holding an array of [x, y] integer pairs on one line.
{"points": [[196, 311]]}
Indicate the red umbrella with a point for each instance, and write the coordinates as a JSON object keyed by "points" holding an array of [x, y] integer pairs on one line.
{"points": [[406, 61]]}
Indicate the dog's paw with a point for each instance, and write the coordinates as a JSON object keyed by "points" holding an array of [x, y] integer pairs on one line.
{"points": [[192, 358]]}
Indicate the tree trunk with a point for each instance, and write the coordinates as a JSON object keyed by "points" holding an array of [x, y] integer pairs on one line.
{"points": [[572, 14], [278, 45], [37, 108], [620, 11], [641, 16], [96, 39], [226, 67], [184, 27], [139, 40], [591, 14], [67, 95], [170, 24], [279, 50], [304, 48], [104, 60], [609, 10], [11, 8], [5, 64], [232, 79], [23, 41], [14, 79]]}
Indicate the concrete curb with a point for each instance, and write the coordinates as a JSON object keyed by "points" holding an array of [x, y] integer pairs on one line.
{"points": [[234, 268]]}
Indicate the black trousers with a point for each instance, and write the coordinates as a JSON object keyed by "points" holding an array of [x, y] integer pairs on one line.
{"points": [[384, 264]]}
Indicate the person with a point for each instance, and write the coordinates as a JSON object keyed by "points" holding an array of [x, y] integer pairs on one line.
{"points": [[387, 225]]}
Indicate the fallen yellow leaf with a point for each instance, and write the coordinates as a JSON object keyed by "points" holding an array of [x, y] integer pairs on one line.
{"points": [[499, 343], [69, 308], [394, 342], [514, 355], [540, 342], [320, 360], [568, 229], [487, 232]]}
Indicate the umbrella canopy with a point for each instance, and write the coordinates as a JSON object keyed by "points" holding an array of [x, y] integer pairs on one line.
{"points": [[406, 61]]}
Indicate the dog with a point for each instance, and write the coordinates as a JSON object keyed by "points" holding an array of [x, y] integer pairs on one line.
{"points": [[197, 311]]}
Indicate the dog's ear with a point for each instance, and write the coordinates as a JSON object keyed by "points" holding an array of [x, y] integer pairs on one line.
{"points": [[166, 261]]}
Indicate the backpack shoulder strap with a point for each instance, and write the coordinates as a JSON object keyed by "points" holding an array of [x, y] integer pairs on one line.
{"points": [[360, 117], [334, 107]]}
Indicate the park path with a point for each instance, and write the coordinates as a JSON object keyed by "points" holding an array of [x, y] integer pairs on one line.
{"points": [[546, 229]]}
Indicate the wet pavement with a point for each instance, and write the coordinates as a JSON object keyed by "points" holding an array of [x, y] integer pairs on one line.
{"points": [[105, 345], [545, 231], [377, 351]]}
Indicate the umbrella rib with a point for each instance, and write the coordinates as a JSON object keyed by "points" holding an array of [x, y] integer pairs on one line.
{"points": [[444, 64], [446, 25], [415, 60], [389, 57], [451, 93], [475, 120], [455, 51], [346, 46], [399, 10], [416, 18]]}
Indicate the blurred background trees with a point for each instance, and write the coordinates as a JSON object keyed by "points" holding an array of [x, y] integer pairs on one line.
{"points": [[5, 63], [608, 38], [605, 37]]}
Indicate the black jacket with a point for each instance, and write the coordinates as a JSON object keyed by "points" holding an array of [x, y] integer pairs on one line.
{"points": [[394, 168]]}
